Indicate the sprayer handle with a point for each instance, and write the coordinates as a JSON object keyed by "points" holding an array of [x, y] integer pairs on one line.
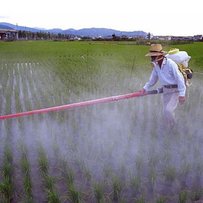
{"points": [[157, 91]]}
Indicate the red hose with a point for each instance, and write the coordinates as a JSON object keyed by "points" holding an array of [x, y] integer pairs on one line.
{"points": [[73, 105]]}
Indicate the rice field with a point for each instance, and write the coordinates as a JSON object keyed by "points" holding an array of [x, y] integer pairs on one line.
{"points": [[115, 152]]}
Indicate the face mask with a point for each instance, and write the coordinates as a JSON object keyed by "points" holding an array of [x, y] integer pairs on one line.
{"points": [[153, 64], [155, 60]]}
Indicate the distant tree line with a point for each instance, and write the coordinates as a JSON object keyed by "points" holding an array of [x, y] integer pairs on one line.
{"points": [[27, 35], [140, 40]]}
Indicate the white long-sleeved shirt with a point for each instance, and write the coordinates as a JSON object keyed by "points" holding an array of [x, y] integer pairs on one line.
{"points": [[168, 74]]}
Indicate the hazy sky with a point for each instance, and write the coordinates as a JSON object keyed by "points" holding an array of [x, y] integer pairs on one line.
{"points": [[160, 17]]}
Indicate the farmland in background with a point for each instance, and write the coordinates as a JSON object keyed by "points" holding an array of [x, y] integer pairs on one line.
{"points": [[116, 152]]}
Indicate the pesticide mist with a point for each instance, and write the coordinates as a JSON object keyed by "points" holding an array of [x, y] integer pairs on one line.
{"points": [[116, 152]]}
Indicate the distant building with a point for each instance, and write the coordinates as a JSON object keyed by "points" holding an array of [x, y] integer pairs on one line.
{"points": [[167, 38], [198, 37], [8, 33], [182, 38]]}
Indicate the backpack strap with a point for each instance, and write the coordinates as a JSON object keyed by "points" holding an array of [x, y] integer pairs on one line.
{"points": [[187, 74]]}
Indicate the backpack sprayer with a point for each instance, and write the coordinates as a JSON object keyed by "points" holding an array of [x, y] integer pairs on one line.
{"points": [[181, 58], [81, 104]]}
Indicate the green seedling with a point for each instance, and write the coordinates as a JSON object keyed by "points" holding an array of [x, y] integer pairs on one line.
{"points": [[73, 194], [136, 183], [99, 193], [183, 196], [48, 182], [161, 200], [117, 188], [43, 161], [53, 197], [6, 189], [197, 195], [67, 174], [170, 173], [27, 185], [141, 200], [152, 177]]}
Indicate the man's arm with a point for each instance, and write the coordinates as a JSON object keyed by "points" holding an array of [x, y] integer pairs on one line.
{"points": [[152, 80]]}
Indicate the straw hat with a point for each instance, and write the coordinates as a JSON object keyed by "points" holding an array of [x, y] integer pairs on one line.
{"points": [[156, 50]]}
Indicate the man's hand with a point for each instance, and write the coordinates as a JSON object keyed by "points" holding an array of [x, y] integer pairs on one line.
{"points": [[142, 91], [181, 99]]}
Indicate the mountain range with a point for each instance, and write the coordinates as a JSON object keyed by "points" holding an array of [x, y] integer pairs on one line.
{"points": [[88, 32]]}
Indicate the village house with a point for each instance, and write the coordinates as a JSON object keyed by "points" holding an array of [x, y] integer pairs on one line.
{"points": [[8, 33]]}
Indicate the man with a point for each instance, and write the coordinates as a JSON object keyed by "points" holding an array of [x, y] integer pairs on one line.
{"points": [[166, 71]]}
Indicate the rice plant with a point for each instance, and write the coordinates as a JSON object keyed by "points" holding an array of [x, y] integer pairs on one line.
{"points": [[117, 188], [52, 197], [98, 190], [152, 176], [28, 188], [197, 194], [6, 189], [49, 182], [6, 186], [25, 167], [170, 173], [161, 200], [141, 200], [67, 173], [183, 196], [135, 183], [73, 194], [43, 161]]}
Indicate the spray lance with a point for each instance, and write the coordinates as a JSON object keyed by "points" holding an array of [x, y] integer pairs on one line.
{"points": [[81, 104]]}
